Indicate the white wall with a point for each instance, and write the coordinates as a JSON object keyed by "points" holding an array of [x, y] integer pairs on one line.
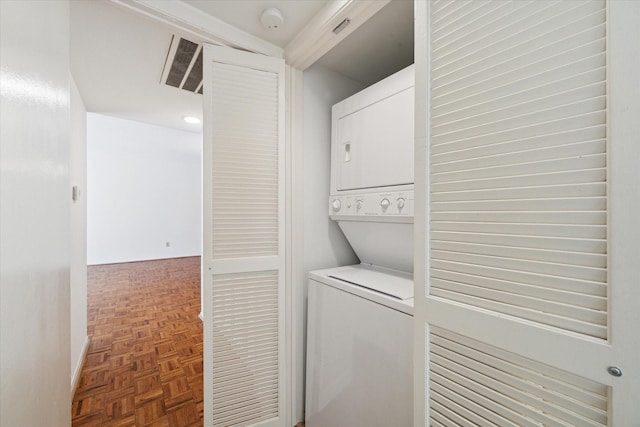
{"points": [[143, 190], [34, 214], [78, 176], [323, 245]]}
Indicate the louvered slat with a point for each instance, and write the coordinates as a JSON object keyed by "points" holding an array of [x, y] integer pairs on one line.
{"points": [[493, 247], [245, 351], [471, 379], [245, 162], [518, 162], [557, 230]]}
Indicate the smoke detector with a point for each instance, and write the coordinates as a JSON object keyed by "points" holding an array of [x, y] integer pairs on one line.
{"points": [[272, 18]]}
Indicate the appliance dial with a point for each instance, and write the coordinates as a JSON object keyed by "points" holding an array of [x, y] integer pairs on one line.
{"points": [[385, 203], [336, 205], [400, 203], [358, 204]]}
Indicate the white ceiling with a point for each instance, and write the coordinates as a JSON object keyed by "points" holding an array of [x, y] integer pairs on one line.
{"points": [[245, 15], [116, 62], [117, 55]]}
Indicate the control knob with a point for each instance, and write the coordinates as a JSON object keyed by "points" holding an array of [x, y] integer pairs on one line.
{"points": [[358, 204], [336, 205], [400, 203], [385, 203]]}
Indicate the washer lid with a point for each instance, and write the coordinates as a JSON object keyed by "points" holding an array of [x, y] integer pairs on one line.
{"points": [[394, 285]]}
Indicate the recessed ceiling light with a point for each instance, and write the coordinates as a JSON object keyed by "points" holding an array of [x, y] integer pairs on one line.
{"points": [[191, 119]]}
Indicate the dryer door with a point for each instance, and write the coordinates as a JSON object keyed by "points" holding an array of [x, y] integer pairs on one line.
{"points": [[375, 144]]}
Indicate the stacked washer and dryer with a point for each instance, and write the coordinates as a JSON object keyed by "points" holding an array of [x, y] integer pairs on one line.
{"points": [[360, 317]]}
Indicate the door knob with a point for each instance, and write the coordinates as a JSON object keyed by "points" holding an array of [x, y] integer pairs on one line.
{"points": [[615, 371]]}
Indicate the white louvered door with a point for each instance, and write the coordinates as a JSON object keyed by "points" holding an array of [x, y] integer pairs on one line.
{"points": [[243, 239], [531, 287]]}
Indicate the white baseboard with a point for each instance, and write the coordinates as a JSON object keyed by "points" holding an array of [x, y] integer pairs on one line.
{"points": [[75, 378]]}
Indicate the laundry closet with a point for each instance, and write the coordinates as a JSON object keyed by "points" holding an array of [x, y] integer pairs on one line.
{"points": [[358, 213]]}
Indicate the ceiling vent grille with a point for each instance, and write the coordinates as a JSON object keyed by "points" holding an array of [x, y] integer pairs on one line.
{"points": [[183, 67]]}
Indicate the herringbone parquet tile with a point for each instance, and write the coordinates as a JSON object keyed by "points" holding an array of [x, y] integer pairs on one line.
{"points": [[144, 364]]}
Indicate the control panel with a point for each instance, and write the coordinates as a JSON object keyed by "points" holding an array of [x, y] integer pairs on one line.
{"points": [[392, 204]]}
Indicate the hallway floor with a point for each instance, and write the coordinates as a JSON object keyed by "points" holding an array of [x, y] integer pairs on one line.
{"points": [[144, 363]]}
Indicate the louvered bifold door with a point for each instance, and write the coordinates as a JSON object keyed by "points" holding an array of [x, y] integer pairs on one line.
{"points": [[243, 253], [519, 294]]}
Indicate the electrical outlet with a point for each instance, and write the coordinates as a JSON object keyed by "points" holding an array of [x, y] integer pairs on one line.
{"points": [[168, 244]]}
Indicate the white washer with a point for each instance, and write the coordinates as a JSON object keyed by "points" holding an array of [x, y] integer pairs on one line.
{"points": [[359, 348]]}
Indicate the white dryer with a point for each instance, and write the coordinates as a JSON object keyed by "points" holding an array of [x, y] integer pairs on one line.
{"points": [[360, 318]]}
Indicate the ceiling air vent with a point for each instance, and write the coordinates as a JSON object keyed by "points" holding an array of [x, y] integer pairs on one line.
{"points": [[183, 67]]}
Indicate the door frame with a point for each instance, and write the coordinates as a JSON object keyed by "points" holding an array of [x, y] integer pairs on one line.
{"points": [[421, 203]]}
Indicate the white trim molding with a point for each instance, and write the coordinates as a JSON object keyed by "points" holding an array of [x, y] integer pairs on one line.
{"points": [[295, 243], [193, 21], [317, 38], [75, 377], [421, 211]]}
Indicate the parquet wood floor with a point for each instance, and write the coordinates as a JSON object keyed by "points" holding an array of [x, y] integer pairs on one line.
{"points": [[144, 363]]}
